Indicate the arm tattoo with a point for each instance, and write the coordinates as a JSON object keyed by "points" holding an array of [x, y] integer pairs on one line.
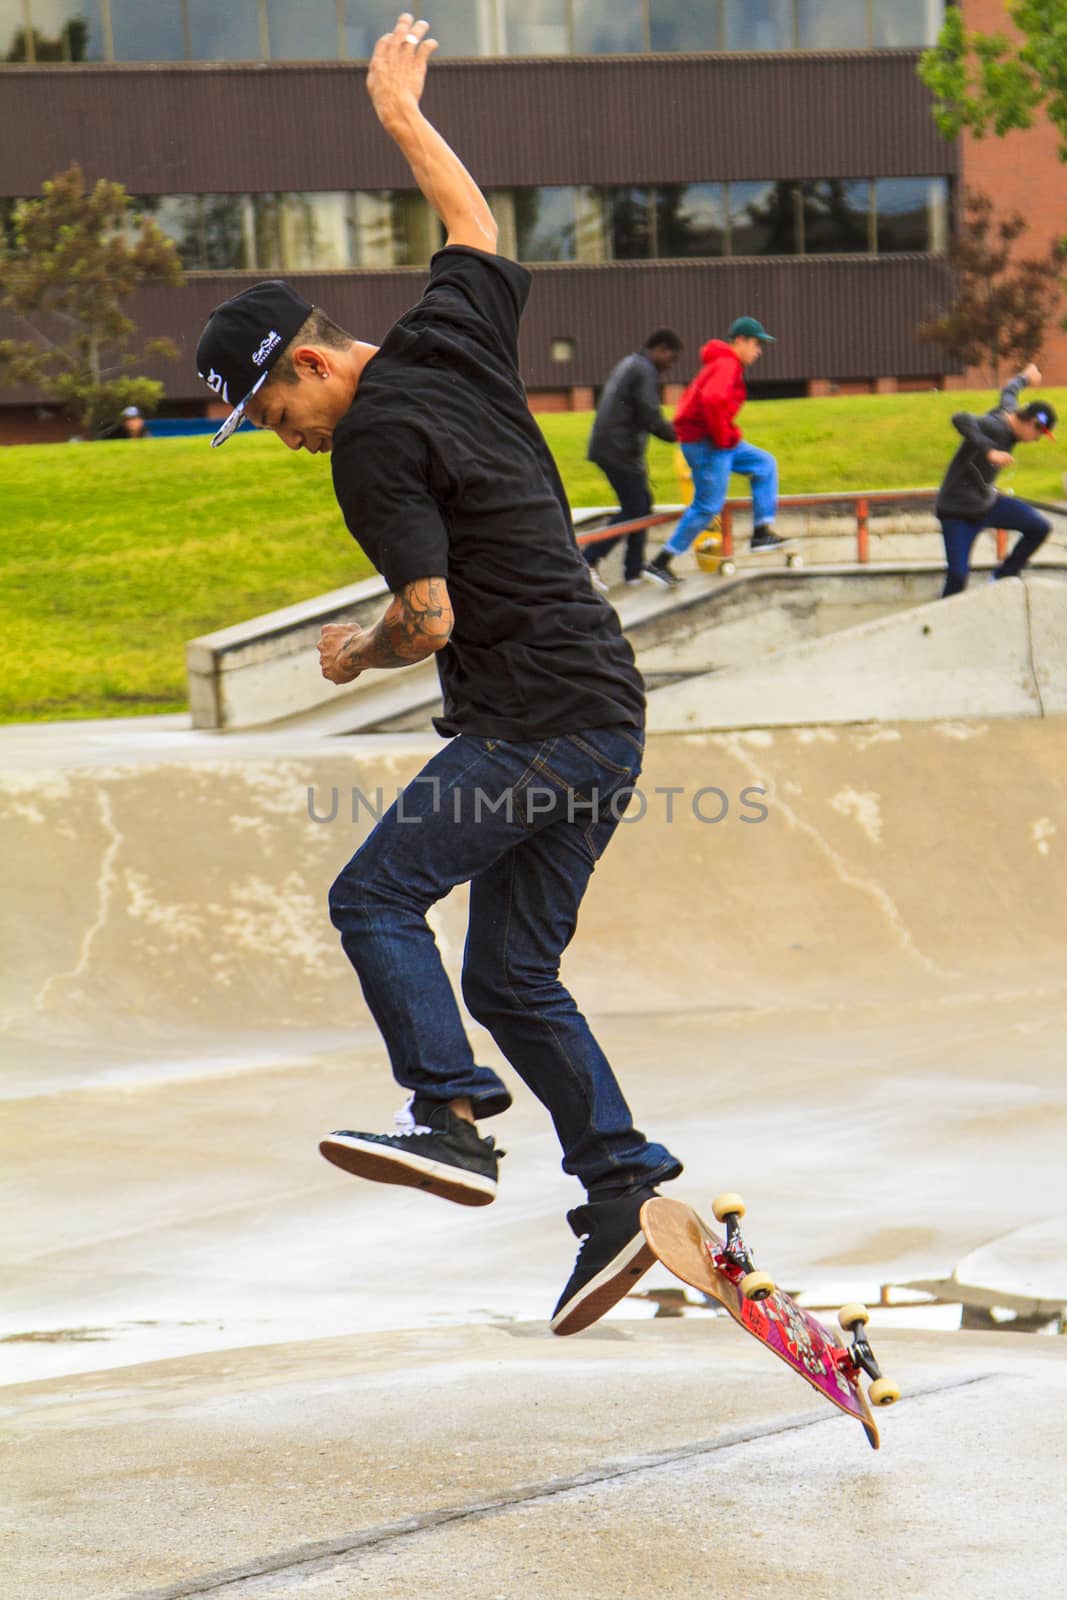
{"points": [[417, 623]]}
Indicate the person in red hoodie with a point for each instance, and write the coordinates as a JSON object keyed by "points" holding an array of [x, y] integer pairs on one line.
{"points": [[711, 442]]}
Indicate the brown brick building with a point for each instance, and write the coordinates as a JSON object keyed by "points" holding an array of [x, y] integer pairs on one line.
{"points": [[654, 161], [1021, 172]]}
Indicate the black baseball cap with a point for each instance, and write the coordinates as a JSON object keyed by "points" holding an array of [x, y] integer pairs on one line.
{"points": [[243, 339], [1043, 413]]}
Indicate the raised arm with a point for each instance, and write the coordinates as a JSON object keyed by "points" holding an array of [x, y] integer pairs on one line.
{"points": [[395, 83], [1009, 395]]}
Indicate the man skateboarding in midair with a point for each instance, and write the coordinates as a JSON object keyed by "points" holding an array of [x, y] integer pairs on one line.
{"points": [[968, 500], [706, 424], [446, 482]]}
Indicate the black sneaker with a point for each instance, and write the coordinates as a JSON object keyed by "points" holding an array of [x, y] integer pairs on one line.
{"points": [[432, 1149], [613, 1256], [659, 570], [765, 538]]}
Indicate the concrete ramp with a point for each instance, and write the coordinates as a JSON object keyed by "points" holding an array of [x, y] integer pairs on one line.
{"points": [[1023, 1272], [177, 901], [995, 651]]}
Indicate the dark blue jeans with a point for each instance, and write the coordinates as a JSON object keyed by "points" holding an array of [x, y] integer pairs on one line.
{"points": [[1005, 512], [635, 500], [525, 824]]}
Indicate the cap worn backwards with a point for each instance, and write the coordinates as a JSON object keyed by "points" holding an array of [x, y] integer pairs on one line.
{"points": [[1043, 412], [243, 339]]}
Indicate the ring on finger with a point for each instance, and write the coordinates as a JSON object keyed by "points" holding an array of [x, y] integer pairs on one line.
{"points": [[411, 38]]}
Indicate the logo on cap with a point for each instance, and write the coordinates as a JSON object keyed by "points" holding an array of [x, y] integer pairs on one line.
{"points": [[216, 381], [271, 342]]}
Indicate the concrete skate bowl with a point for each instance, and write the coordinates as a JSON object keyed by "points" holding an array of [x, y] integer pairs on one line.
{"points": [[177, 903]]}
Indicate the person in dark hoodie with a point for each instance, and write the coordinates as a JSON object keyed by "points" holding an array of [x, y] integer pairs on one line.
{"points": [[968, 500], [628, 412], [711, 441]]}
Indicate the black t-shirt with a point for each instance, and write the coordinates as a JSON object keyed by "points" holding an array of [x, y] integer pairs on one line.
{"points": [[441, 471]]}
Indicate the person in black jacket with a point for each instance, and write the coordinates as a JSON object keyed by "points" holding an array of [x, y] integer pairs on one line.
{"points": [[628, 412], [968, 500]]}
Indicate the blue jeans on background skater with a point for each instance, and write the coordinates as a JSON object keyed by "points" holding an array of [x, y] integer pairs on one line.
{"points": [[524, 823], [635, 500], [1005, 512], [711, 469]]}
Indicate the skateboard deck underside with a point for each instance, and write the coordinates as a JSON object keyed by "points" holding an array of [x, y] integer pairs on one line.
{"points": [[679, 1238]]}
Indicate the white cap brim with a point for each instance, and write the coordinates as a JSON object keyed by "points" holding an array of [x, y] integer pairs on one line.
{"points": [[237, 415]]}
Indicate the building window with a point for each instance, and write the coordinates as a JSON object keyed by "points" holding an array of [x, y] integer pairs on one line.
{"points": [[392, 228], [148, 33], [609, 27], [361, 26], [912, 214], [763, 219], [178, 216], [302, 30], [307, 32], [379, 230], [836, 216], [545, 224], [60, 30], [757, 24], [832, 25], [7, 222], [462, 27], [227, 232], [563, 349], [536, 28], [683, 25], [316, 232], [630, 224], [906, 24], [690, 219], [229, 32]]}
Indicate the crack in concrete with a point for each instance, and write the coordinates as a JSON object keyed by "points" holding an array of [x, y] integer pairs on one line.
{"points": [[319, 1556], [105, 885], [733, 744]]}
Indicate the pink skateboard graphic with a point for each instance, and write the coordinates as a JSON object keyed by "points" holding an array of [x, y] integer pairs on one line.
{"points": [[724, 1269]]}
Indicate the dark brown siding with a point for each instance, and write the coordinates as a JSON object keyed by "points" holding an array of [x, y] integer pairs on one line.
{"points": [[217, 129], [833, 318]]}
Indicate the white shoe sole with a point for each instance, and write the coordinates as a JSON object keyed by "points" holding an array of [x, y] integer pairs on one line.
{"points": [[611, 1284], [382, 1164]]}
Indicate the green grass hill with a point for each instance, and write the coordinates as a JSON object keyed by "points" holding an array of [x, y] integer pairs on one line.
{"points": [[113, 554]]}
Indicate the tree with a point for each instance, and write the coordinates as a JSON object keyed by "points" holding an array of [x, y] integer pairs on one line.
{"points": [[990, 82], [77, 253], [1001, 306]]}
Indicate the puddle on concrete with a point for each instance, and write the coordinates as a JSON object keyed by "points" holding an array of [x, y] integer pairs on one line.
{"points": [[926, 1315], [87, 1335]]}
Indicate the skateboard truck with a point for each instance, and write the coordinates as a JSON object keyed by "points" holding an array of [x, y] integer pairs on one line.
{"points": [[853, 1319], [734, 1258]]}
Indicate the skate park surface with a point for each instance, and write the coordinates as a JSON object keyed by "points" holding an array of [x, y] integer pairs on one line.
{"points": [[231, 1370]]}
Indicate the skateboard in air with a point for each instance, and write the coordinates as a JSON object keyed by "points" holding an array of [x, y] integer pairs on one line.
{"points": [[723, 1269]]}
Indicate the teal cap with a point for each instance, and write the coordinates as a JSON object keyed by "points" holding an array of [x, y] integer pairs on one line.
{"points": [[749, 328]]}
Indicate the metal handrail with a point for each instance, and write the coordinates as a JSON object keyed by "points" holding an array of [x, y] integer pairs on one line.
{"points": [[861, 499]]}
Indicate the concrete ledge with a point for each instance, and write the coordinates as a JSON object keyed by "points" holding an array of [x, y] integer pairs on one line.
{"points": [[261, 670], [264, 672], [994, 651]]}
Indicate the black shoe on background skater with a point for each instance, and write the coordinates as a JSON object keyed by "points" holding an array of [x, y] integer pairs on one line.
{"points": [[614, 1254], [659, 570], [432, 1149], [765, 538]]}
